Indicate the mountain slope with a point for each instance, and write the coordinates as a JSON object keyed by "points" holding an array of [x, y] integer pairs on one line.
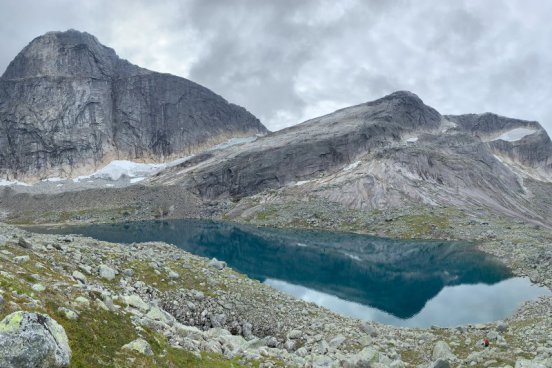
{"points": [[68, 104], [389, 153]]}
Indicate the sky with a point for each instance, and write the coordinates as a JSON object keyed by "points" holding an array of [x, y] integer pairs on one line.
{"points": [[287, 61]]}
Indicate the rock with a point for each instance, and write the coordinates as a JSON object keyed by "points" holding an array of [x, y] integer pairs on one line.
{"points": [[128, 272], [302, 352], [139, 345], [79, 276], [29, 339], [211, 346], [38, 287], [218, 320], [1, 300], [441, 350], [364, 358], [219, 265], [271, 341], [23, 243], [172, 115], [158, 314], [82, 301], [501, 327], [106, 272], [68, 313], [295, 334], [441, 363], [173, 275], [337, 341], [290, 345], [21, 259], [368, 329], [136, 302]]}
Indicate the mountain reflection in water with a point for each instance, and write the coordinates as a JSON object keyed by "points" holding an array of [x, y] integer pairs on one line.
{"points": [[382, 279]]}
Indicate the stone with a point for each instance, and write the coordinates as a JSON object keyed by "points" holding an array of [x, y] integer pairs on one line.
{"points": [[364, 358], [219, 265], [68, 313], [367, 328], [441, 350], [302, 352], [82, 301], [79, 276], [337, 341], [21, 259], [106, 272], [136, 302], [501, 327], [211, 346], [128, 272], [29, 339], [158, 314], [440, 363], [23, 243], [218, 320], [139, 345], [295, 334], [173, 275], [38, 287]]}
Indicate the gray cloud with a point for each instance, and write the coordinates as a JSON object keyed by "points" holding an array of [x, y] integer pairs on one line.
{"points": [[287, 61]]}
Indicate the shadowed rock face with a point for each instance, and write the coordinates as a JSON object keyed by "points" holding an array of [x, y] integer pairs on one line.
{"points": [[67, 103]]}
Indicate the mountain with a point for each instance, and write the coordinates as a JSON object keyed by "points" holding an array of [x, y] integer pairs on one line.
{"points": [[69, 105], [389, 153]]}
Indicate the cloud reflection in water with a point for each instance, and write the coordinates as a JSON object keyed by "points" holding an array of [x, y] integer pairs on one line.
{"points": [[453, 306]]}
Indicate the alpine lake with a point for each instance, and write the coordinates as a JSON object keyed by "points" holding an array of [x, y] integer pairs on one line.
{"points": [[413, 283]]}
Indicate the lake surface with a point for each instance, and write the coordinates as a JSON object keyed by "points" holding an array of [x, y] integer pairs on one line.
{"points": [[406, 283]]}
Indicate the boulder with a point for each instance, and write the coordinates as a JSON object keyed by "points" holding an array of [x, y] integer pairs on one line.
{"points": [[441, 350], [33, 340], [215, 263], [139, 345], [106, 272]]}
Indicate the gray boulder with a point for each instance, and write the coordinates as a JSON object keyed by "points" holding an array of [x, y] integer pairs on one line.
{"points": [[215, 263], [441, 350], [33, 340]]}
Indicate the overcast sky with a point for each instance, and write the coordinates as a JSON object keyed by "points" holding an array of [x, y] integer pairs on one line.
{"points": [[287, 61]]}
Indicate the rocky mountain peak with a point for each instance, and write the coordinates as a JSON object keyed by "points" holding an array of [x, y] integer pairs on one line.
{"points": [[406, 109], [69, 105], [68, 54]]}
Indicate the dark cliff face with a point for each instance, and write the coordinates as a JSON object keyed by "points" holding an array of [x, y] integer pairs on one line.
{"points": [[67, 103]]}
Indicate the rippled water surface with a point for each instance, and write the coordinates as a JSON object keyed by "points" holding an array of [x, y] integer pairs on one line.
{"points": [[407, 283]]}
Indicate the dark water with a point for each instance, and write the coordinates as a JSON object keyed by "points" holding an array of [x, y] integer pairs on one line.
{"points": [[409, 283]]}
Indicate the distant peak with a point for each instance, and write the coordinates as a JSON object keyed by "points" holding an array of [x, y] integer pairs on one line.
{"points": [[69, 53], [403, 95]]}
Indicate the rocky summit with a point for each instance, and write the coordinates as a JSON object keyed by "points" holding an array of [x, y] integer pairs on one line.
{"points": [[69, 104]]}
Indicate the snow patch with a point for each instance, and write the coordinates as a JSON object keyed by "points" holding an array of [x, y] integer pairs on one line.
{"points": [[299, 183], [515, 134], [136, 180], [7, 183], [53, 180], [352, 166], [411, 140], [115, 170]]}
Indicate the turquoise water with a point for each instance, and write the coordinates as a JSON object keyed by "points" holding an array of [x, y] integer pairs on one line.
{"points": [[406, 283]]}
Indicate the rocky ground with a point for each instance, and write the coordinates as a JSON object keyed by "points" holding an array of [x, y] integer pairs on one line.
{"points": [[152, 304]]}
